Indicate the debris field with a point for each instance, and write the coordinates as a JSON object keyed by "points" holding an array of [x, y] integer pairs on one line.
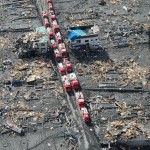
{"points": [[34, 113], [114, 78], [35, 110]]}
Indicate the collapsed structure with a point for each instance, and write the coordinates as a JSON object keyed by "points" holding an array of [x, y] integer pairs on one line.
{"points": [[34, 43]]}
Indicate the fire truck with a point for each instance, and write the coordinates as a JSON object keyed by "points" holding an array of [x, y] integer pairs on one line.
{"points": [[62, 49], [66, 83], [80, 99], [44, 15], [68, 65], [61, 69], [53, 44], [50, 32], [58, 37], [73, 80], [55, 26], [57, 55], [85, 115]]}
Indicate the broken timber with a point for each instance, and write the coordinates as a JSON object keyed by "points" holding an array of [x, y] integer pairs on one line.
{"points": [[62, 1], [116, 89], [13, 3], [16, 30]]}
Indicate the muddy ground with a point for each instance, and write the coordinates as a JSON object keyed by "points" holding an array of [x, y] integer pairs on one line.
{"points": [[54, 128], [118, 21], [40, 107]]}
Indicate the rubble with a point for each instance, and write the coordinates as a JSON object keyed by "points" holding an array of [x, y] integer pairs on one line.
{"points": [[127, 73], [20, 112], [97, 70], [126, 129], [127, 125], [14, 128], [4, 41], [116, 1], [38, 105], [133, 73]]}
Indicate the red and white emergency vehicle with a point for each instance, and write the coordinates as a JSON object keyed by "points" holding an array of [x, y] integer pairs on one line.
{"points": [[55, 26], [73, 80], [49, 1], [66, 83], [61, 69], [85, 115], [62, 49], [50, 32], [68, 65], [57, 55], [58, 37], [53, 44], [44, 15], [80, 99]]}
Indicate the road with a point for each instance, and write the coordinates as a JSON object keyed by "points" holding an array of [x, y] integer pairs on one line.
{"points": [[87, 132], [88, 139]]}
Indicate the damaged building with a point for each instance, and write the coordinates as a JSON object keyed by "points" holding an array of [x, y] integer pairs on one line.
{"points": [[84, 35], [34, 43], [63, 103], [40, 40]]}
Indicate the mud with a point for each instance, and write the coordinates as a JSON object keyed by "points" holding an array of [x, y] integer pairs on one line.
{"points": [[49, 132], [117, 20]]}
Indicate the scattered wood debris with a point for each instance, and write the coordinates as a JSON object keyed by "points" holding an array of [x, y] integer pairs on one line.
{"points": [[133, 73], [98, 70]]}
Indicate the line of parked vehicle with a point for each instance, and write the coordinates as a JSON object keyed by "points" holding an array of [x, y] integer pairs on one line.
{"points": [[68, 77]]}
